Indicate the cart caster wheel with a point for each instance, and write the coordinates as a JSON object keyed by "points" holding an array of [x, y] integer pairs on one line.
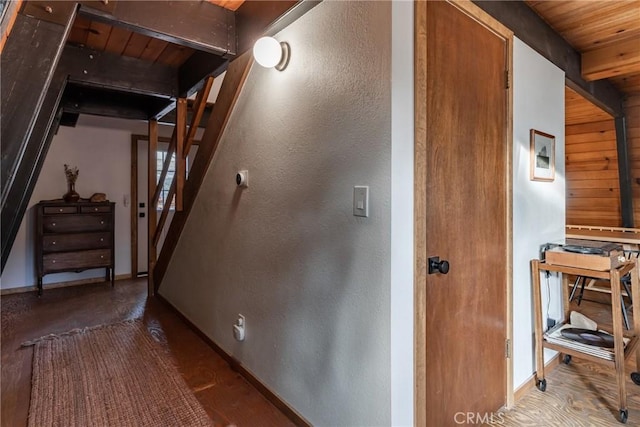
{"points": [[635, 377], [567, 359], [624, 415], [542, 385]]}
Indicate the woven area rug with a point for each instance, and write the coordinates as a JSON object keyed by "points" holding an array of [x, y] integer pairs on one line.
{"points": [[113, 375]]}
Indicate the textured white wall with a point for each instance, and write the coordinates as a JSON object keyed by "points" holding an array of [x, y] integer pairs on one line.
{"points": [[538, 207], [312, 280], [402, 149]]}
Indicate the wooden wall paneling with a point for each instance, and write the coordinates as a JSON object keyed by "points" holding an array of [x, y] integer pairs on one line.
{"points": [[592, 176], [632, 106]]}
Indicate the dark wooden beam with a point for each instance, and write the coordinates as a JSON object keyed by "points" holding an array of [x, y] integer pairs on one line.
{"points": [[196, 69], [27, 66], [196, 24], [231, 87], [108, 70], [109, 103], [537, 34], [19, 193], [624, 172]]}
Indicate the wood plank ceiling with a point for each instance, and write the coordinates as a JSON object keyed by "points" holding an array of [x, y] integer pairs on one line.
{"points": [[606, 33], [103, 37]]}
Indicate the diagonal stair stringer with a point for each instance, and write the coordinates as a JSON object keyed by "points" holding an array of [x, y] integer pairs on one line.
{"points": [[223, 108]]}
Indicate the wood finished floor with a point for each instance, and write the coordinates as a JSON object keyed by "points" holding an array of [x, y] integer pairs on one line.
{"points": [[226, 396], [579, 394]]}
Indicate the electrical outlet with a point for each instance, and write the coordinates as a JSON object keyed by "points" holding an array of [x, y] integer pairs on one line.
{"points": [[239, 328]]}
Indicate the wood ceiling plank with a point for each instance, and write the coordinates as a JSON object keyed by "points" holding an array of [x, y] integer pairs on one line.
{"points": [[98, 35], [136, 45], [153, 50], [629, 84], [80, 31], [195, 24], [174, 55], [118, 40], [578, 110], [612, 60]]}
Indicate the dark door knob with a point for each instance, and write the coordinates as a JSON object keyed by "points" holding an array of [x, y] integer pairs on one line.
{"points": [[437, 266]]}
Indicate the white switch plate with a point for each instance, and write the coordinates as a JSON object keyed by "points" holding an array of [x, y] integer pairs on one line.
{"points": [[361, 200]]}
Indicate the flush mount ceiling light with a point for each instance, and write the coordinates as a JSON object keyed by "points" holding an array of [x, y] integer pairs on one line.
{"points": [[270, 53]]}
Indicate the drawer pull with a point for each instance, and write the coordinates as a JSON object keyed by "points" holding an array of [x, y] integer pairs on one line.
{"points": [[101, 222], [101, 239], [53, 224], [53, 243], [60, 210], [53, 261], [95, 209], [101, 256]]}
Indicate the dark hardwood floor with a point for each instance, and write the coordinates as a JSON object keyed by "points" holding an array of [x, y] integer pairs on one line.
{"points": [[581, 393], [226, 396]]}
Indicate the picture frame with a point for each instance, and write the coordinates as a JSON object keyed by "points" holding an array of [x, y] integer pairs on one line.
{"points": [[543, 156]]}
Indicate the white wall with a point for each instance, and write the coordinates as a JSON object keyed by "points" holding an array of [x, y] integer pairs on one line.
{"points": [[101, 149], [402, 261], [538, 207], [312, 280]]}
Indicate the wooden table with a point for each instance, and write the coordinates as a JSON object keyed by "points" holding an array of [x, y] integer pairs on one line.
{"points": [[620, 353]]}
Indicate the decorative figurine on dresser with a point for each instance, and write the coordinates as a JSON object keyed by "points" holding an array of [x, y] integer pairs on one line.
{"points": [[75, 236]]}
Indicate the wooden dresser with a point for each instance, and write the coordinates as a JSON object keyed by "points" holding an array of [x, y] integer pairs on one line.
{"points": [[74, 237]]}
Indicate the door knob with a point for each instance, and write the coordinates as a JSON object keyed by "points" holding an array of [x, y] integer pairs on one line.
{"points": [[437, 266]]}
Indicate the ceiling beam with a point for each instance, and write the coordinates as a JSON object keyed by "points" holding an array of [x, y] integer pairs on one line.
{"points": [[612, 60], [123, 73], [109, 103], [532, 30], [197, 68], [196, 24]]}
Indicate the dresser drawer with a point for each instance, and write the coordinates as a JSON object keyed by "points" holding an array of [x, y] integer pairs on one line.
{"points": [[95, 209], [78, 260], [60, 210], [75, 242], [75, 223]]}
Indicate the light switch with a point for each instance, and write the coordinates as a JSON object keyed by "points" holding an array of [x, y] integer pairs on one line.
{"points": [[361, 200]]}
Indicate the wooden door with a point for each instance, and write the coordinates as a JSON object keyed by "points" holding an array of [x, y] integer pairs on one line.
{"points": [[465, 220]]}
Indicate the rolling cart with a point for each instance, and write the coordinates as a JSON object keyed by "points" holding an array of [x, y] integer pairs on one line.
{"points": [[620, 353]]}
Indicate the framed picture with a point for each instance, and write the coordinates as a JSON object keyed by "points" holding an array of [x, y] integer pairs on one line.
{"points": [[543, 156]]}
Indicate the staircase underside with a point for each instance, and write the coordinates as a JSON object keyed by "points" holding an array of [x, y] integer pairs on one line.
{"points": [[64, 77]]}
